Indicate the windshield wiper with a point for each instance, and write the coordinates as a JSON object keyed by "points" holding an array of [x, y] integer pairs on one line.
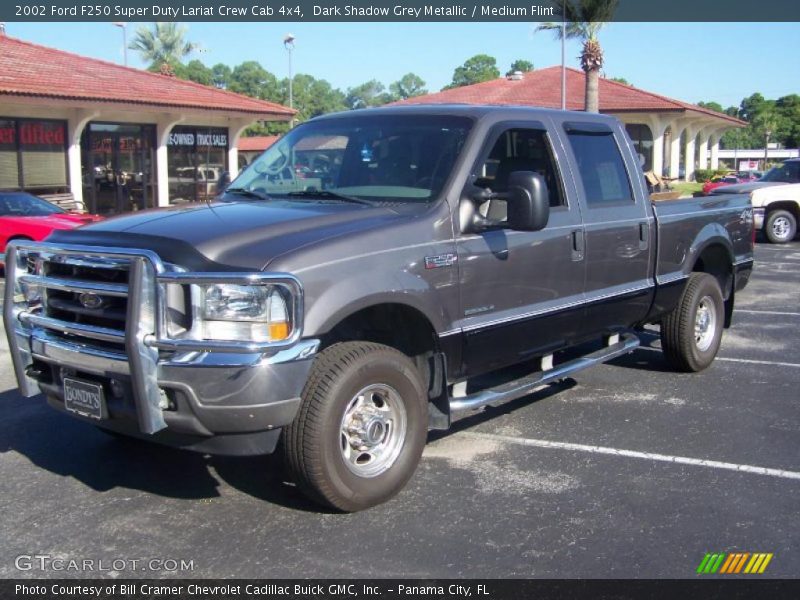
{"points": [[249, 193], [328, 195]]}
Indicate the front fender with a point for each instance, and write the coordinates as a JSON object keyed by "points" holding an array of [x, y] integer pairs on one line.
{"points": [[327, 306]]}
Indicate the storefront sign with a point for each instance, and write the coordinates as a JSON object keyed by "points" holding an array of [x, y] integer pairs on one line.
{"points": [[34, 133], [198, 137]]}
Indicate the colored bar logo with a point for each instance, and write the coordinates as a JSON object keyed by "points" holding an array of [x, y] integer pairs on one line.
{"points": [[733, 563]]}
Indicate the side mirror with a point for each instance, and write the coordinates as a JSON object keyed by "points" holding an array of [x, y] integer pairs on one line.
{"points": [[528, 201]]}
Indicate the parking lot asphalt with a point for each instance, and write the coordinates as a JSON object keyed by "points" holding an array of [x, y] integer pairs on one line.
{"points": [[627, 470]]}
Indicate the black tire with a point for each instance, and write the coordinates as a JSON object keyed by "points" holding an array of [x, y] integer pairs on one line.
{"points": [[317, 450], [781, 226], [685, 348]]}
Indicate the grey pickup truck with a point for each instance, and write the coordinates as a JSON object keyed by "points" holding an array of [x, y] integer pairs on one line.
{"points": [[348, 290]]}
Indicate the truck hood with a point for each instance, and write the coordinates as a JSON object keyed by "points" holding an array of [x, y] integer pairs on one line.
{"points": [[788, 191], [244, 235], [744, 188]]}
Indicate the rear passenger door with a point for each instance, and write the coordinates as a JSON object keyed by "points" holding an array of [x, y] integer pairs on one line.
{"points": [[521, 291], [618, 226]]}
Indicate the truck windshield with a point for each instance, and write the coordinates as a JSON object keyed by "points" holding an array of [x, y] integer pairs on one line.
{"points": [[788, 172], [382, 158]]}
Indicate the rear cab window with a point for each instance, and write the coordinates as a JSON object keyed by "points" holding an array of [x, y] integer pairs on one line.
{"points": [[601, 168]]}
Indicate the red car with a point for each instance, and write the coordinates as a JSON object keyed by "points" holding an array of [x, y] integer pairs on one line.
{"points": [[741, 177], [28, 217], [716, 182]]}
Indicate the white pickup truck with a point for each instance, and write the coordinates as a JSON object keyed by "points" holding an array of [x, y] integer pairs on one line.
{"points": [[776, 210], [776, 201]]}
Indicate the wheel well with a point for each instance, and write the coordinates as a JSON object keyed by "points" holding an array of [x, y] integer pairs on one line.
{"points": [[396, 325], [717, 261], [409, 331], [792, 207], [20, 237]]}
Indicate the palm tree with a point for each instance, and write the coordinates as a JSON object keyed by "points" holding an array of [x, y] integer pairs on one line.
{"points": [[584, 19], [164, 44]]}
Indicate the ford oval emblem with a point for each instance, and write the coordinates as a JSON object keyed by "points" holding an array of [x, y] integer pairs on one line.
{"points": [[91, 301]]}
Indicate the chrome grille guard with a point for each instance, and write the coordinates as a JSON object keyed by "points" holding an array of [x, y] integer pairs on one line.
{"points": [[146, 330]]}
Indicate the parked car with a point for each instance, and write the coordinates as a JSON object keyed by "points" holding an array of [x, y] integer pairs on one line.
{"points": [[730, 178], [24, 216], [776, 211], [190, 183], [716, 182], [787, 172], [350, 319]]}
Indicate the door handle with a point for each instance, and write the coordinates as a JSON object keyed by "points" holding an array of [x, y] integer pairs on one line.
{"points": [[578, 244], [644, 236]]}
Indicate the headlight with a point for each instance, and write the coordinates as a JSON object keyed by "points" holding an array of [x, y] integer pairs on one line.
{"points": [[229, 302], [259, 313]]}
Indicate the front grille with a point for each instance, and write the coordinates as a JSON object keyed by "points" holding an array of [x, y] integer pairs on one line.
{"points": [[87, 294], [83, 299]]}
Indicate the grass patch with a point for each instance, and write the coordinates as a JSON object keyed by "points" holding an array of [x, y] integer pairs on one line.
{"points": [[687, 188]]}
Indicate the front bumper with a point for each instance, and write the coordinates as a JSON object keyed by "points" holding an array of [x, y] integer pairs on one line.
{"points": [[230, 400], [215, 403]]}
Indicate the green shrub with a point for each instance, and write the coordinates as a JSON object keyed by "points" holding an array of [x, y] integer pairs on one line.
{"points": [[703, 175]]}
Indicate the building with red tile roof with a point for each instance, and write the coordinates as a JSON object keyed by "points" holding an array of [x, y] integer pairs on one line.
{"points": [[256, 143], [656, 123], [131, 138]]}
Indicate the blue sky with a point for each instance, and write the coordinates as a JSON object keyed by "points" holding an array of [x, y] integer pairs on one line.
{"points": [[689, 61]]}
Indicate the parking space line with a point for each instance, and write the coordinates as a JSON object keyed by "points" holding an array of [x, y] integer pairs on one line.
{"points": [[759, 362], [738, 360], [767, 312], [681, 460]]}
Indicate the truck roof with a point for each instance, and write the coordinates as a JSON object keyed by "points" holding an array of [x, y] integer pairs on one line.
{"points": [[476, 111]]}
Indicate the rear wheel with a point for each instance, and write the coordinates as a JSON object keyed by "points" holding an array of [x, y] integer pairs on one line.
{"points": [[692, 332], [781, 227], [361, 428]]}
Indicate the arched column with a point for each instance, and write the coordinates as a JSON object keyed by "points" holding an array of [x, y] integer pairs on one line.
{"points": [[702, 145], [689, 152], [716, 136], [658, 128], [76, 123], [163, 129], [702, 151], [235, 131], [677, 126]]}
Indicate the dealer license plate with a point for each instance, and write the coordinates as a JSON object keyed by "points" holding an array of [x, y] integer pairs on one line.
{"points": [[84, 398]]}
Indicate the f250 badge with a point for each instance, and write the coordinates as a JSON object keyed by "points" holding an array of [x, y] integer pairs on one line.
{"points": [[440, 260]]}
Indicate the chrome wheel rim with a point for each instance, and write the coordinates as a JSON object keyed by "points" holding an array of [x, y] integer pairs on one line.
{"points": [[705, 323], [781, 227], [373, 430]]}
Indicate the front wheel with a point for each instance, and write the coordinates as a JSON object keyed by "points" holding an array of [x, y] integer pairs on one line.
{"points": [[692, 332], [361, 428], [781, 226]]}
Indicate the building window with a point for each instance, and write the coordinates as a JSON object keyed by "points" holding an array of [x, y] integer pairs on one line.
{"points": [[33, 155], [642, 139], [196, 158], [118, 163], [9, 156]]}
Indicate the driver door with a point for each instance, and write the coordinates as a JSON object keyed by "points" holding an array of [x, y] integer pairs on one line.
{"points": [[521, 291]]}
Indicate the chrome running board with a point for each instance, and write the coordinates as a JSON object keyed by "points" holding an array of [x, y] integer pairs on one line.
{"points": [[526, 385]]}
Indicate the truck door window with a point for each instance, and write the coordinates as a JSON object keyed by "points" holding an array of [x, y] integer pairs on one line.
{"points": [[602, 171], [518, 150]]}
